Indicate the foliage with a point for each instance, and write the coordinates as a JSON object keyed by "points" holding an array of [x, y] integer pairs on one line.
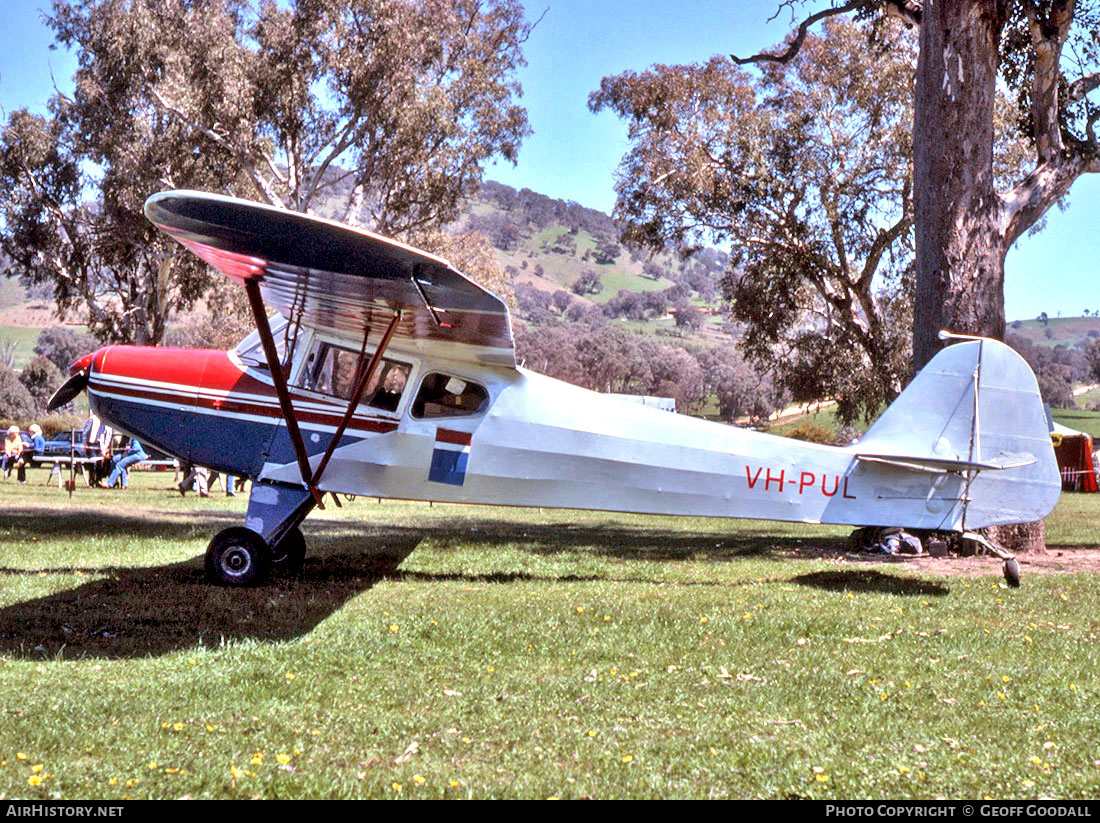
{"points": [[226, 321], [1092, 354], [390, 109], [811, 433], [607, 358], [62, 346], [103, 259], [588, 283], [741, 390], [41, 378], [806, 172], [686, 315], [1056, 368], [16, 402]]}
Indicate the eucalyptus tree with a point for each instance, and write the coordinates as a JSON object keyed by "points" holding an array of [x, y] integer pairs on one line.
{"points": [[804, 170], [966, 216], [382, 113]]}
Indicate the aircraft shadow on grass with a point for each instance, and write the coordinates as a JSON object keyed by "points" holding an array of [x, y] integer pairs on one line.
{"points": [[131, 612]]}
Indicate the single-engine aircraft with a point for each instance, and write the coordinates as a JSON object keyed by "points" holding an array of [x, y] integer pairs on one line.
{"points": [[384, 372]]}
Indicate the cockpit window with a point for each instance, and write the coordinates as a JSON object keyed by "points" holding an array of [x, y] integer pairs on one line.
{"points": [[251, 350], [333, 370], [443, 395]]}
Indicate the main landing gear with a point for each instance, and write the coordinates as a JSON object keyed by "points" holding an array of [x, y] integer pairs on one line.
{"points": [[238, 556], [270, 539]]}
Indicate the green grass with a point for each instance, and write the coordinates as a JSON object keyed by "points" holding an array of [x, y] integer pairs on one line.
{"points": [[24, 340], [1078, 419], [453, 651]]}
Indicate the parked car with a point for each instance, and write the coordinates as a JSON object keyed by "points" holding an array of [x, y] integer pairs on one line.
{"points": [[65, 443]]}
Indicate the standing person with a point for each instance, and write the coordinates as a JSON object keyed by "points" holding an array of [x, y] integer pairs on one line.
{"points": [[13, 450], [97, 443], [133, 453], [199, 476]]}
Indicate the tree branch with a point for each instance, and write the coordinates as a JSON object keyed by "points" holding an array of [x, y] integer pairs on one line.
{"points": [[1048, 35], [1082, 86], [803, 29], [242, 157], [1035, 194]]}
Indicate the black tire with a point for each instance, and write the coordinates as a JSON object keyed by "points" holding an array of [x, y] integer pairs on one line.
{"points": [[288, 555], [238, 557], [1012, 573]]}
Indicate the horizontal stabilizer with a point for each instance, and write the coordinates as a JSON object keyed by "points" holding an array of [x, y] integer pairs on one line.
{"points": [[938, 465]]}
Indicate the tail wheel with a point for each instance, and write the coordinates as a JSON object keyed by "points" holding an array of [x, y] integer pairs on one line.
{"points": [[238, 557], [288, 555]]}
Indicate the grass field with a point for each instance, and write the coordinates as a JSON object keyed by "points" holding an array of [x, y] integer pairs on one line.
{"points": [[448, 651], [24, 340]]}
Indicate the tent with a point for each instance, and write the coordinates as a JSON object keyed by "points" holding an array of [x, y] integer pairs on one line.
{"points": [[1073, 449]]}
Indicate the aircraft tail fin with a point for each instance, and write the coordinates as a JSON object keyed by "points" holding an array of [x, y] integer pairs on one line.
{"points": [[975, 409]]}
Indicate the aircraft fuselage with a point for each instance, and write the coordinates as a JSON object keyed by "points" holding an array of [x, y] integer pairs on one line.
{"points": [[536, 441]]}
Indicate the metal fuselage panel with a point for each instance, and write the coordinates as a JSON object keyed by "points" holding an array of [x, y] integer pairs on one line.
{"points": [[541, 443], [548, 443]]}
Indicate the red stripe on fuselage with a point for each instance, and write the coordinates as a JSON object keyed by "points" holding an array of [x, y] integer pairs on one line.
{"points": [[200, 372], [451, 436]]}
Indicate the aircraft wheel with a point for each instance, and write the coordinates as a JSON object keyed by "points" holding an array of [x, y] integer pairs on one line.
{"points": [[238, 557], [1012, 573], [288, 555]]}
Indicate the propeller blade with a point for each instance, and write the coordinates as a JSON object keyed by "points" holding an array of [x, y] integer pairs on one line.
{"points": [[69, 389]]}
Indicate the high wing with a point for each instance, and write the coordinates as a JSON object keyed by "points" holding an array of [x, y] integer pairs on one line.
{"points": [[340, 280]]}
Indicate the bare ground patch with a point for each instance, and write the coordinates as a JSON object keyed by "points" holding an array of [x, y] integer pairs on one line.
{"points": [[1055, 560]]}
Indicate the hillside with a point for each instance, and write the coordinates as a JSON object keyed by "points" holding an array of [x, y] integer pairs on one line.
{"points": [[1058, 331], [565, 260]]}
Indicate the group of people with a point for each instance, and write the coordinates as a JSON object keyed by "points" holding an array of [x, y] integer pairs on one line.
{"points": [[199, 478], [18, 453], [108, 463]]}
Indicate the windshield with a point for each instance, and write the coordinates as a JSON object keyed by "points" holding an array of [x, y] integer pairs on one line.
{"points": [[251, 351]]}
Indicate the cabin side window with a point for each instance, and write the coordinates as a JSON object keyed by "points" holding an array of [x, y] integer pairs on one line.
{"points": [[334, 370], [443, 395]]}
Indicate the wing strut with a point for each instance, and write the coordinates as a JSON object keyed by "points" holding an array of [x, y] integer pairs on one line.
{"points": [[357, 395], [255, 300]]}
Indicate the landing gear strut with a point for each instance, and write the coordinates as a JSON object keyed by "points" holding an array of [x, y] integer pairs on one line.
{"points": [[1011, 565], [288, 555]]}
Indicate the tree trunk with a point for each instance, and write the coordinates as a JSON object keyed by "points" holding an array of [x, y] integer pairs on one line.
{"points": [[960, 241], [959, 248]]}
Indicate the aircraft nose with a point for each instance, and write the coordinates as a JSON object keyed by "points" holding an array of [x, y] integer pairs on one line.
{"points": [[84, 363], [79, 372]]}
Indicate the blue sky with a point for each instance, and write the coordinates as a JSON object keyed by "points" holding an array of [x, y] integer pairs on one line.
{"points": [[573, 154]]}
